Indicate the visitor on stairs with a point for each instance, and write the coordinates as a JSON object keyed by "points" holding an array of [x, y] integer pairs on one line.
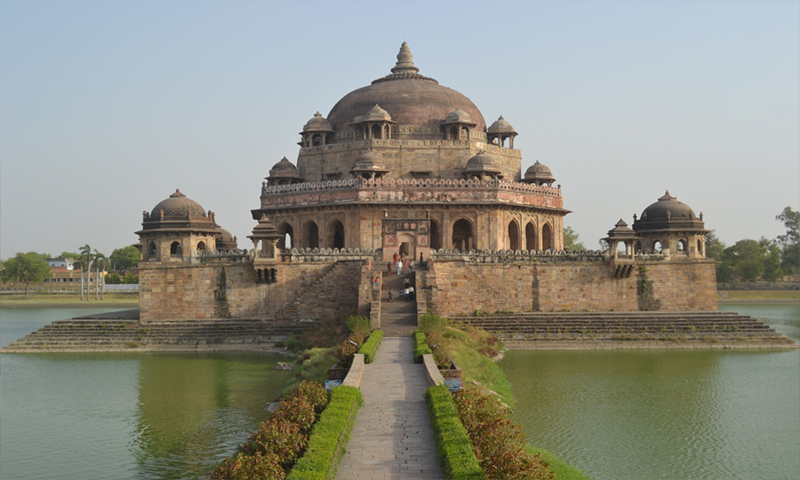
{"points": [[389, 269], [399, 267], [391, 295], [411, 293], [406, 293], [406, 281]]}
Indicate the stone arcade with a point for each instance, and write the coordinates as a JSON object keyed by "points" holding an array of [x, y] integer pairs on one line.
{"points": [[407, 166]]}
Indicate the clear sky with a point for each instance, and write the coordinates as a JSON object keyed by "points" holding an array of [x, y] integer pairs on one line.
{"points": [[107, 107]]}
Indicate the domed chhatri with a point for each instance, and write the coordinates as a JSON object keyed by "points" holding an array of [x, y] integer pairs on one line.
{"points": [[176, 227], [539, 174], [672, 225], [317, 131], [369, 165], [283, 173], [226, 241], [481, 166]]}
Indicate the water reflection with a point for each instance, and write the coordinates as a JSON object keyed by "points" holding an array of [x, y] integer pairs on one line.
{"points": [[714, 414]]}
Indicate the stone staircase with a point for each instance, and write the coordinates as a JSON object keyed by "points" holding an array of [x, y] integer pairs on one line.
{"points": [[398, 318], [706, 327], [324, 297], [110, 332]]}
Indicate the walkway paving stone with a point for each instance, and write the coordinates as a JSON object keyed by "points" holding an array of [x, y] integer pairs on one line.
{"points": [[392, 437]]}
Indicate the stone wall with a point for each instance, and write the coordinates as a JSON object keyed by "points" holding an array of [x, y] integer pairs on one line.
{"points": [[193, 291], [462, 287]]}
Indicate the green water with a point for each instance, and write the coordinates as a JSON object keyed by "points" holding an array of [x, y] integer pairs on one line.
{"points": [[124, 416], [675, 414]]}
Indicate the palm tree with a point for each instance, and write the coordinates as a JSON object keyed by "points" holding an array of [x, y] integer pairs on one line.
{"points": [[85, 261], [101, 264]]}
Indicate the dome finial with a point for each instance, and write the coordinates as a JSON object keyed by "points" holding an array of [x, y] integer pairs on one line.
{"points": [[405, 61]]}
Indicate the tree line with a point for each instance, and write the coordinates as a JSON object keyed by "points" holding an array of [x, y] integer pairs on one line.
{"points": [[31, 267], [750, 260]]}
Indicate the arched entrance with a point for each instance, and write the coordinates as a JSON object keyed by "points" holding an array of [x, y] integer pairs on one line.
{"points": [[530, 236], [406, 245], [287, 236], [547, 237], [462, 235], [436, 236], [336, 234], [311, 235], [513, 235], [201, 247]]}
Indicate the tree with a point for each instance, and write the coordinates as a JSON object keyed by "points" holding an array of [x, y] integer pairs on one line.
{"points": [[125, 258], [790, 243], [101, 263], [571, 240], [85, 261], [26, 267], [714, 246], [71, 255]]}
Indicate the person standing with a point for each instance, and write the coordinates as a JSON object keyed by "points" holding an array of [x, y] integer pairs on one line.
{"points": [[391, 295], [394, 258], [406, 293], [406, 281], [389, 269], [399, 268], [411, 293]]}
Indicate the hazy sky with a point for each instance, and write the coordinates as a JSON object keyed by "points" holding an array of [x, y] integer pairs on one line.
{"points": [[107, 107]]}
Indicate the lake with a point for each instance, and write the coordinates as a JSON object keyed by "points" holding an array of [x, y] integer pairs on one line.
{"points": [[667, 413], [124, 416]]}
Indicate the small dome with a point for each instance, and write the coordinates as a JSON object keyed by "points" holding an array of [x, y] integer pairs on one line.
{"points": [[226, 241], [539, 173], [668, 207], [318, 124], [284, 169], [501, 126], [375, 114], [369, 161], [178, 205], [264, 229], [621, 231], [458, 116], [482, 162]]}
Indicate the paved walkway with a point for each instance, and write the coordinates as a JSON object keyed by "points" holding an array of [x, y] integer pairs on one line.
{"points": [[392, 437]]}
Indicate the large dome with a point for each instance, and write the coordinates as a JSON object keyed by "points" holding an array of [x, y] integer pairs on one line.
{"points": [[410, 99]]}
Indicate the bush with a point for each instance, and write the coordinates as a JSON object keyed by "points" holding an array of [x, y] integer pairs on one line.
{"points": [[280, 438], [452, 442], [297, 410], [313, 392], [328, 441], [498, 443], [113, 279], [433, 323], [441, 354], [348, 348], [420, 347], [360, 325], [246, 467], [370, 347]]}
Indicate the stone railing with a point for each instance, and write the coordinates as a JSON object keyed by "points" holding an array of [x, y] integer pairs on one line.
{"points": [[413, 183], [222, 256], [535, 256], [330, 254]]}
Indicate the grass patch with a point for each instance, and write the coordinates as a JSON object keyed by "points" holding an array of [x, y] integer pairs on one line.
{"points": [[57, 300], [562, 470], [465, 347], [762, 295]]}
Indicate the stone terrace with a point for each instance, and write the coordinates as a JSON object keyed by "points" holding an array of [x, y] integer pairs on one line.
{"points": [[632, 329], [122, 331]]}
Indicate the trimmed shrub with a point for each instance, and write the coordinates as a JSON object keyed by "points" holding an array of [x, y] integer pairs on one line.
{"points": [[348, 348], [430, 323], [358, 324], [452, 442], [420, 347], [370, 347], [246, 467], [328, 441]]}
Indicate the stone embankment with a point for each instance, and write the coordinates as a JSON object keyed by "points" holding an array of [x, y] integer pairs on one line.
{"points": [[592, 330], [122, 331]]}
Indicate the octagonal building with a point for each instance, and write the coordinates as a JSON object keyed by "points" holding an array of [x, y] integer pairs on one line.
{"points": [[407, 165]]}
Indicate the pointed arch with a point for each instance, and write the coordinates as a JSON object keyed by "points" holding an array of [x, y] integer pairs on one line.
{"points": [[531, 237], [336, 234], [287, 235], [310, 234], [513, 235], [547, 237]]}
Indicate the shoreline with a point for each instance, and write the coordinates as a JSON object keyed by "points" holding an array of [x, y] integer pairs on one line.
{"points": [[759, 301], [33, 305]]}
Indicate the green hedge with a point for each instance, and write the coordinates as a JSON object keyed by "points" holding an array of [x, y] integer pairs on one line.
{"points": [[329, 437], [370, 347], [455, 449], [420, 347]]}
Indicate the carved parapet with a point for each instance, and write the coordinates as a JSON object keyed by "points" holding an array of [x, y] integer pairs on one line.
{"points": [[517, 256], [331, 254], [222, 256]]}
